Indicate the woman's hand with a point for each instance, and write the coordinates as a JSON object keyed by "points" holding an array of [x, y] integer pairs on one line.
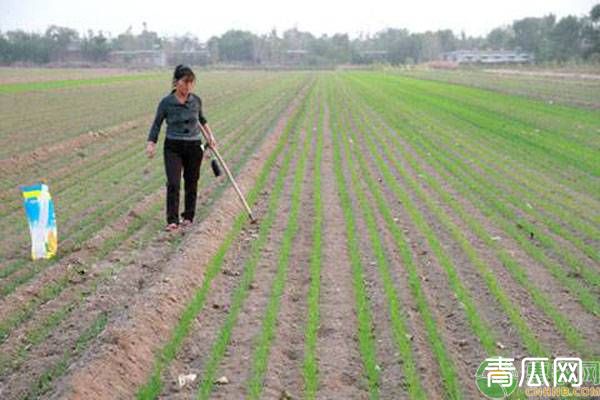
{"points": [[208, 135], [150, 149], [211, 141]]}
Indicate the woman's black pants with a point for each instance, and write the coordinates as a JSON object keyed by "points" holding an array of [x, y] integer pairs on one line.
{"points": [[186, 156]]}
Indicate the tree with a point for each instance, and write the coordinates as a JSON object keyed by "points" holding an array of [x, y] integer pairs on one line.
{"points": [[500, 38], [396, 42], [566, 38], [28, 47], [595, 13], [430, 46], [236, 46], [447, 40], [60, 36], [533, 35], [5, 50], [95, 47], [213, 49], [592, 33]]}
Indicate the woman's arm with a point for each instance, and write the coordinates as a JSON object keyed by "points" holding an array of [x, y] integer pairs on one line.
{"points": [[155, 129], [205, 127]]}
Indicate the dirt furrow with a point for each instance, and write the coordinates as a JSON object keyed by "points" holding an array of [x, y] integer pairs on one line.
{"points": [[340, 365], [284, 373]]}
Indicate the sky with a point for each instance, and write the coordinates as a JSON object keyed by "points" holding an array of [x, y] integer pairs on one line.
{"points": [[207, 18]]}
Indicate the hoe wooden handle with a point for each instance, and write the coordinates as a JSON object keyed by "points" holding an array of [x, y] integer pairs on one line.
{"points": [[229, 175]]}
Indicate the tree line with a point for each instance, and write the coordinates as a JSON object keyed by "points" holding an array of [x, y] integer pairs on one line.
{"points": [[547, 38]]}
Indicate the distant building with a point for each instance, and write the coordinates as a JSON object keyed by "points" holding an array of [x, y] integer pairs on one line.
{"points": [[159, 58], [373, 55], [294, 57], [139, 58], [190, 57], [71, 54], [488, 57]]}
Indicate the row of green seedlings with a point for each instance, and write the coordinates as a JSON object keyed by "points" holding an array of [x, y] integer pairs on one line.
{"points": [[569, 258], [480, 190], [549, 206], [386, 140], [310, 366], [89, 109], [512, 156], [51, 291], [264, 340], [138, 99], [397, 317], [366, 340], [43, 384], [480, 328], [40, 331], [55, 371], [155, 383], [109, 210]]}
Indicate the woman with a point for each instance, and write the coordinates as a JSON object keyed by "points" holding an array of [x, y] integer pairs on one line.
{"points": [[183, 146]]}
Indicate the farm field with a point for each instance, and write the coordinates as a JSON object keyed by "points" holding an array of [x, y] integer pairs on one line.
{"points": [[408, 228], [568, 87]]}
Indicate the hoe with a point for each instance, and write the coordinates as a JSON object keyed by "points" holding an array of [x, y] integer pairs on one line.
{"points": [[217, 172]]}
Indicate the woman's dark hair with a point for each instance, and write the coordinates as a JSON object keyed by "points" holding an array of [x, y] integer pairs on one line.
{"points": [[183, 71]]}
